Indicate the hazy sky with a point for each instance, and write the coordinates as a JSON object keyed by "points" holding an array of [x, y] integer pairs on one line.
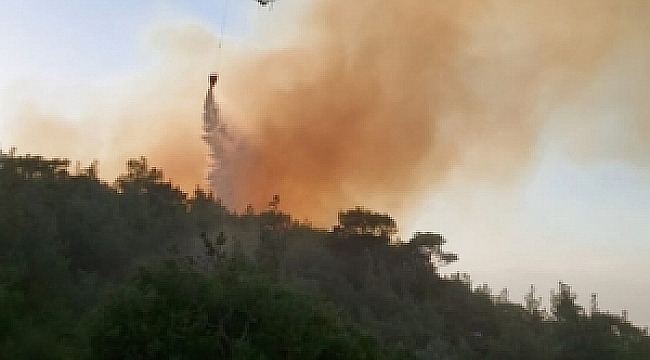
{"points": [[113, 80]]}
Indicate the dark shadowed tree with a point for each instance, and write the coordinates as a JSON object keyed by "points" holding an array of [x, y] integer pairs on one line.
{"points": [[428, 246], [180, 314], [361, 221]]}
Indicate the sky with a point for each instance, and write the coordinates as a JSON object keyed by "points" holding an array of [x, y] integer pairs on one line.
{"points": [[528, 148]]}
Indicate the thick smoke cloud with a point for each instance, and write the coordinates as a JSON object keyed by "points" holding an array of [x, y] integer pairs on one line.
{"points": [[375, 102], [382, 99]]}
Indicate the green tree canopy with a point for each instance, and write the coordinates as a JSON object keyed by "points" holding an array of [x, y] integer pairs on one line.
{"points": [[175, 313], [361, 221]]}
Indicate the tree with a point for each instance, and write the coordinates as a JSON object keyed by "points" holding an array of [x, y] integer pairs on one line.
{"points": [[361, 221], [154, 211], [178, 313], [428, 247], [564, 306], [533, 303]]}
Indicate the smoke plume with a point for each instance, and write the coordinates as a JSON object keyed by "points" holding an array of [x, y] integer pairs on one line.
{"points": [[381, 99], [374, 102]]}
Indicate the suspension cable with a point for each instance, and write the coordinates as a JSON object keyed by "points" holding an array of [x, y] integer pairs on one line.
{"points": [[224, 16]]}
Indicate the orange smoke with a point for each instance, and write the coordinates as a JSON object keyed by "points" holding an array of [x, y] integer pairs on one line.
{"points": [[383, 99], [376, 102]]}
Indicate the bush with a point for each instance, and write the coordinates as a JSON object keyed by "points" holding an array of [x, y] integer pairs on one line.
{"points": [[175, 313]]}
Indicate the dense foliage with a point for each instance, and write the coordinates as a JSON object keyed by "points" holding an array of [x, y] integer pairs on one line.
{"points": [[178, 313], [138, 269]]}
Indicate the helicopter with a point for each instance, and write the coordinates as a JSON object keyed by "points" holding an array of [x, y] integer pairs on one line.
{"points": [[266, 3]]}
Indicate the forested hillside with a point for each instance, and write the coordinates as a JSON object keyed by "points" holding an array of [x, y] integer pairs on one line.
{"points": [[137, 269]]}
